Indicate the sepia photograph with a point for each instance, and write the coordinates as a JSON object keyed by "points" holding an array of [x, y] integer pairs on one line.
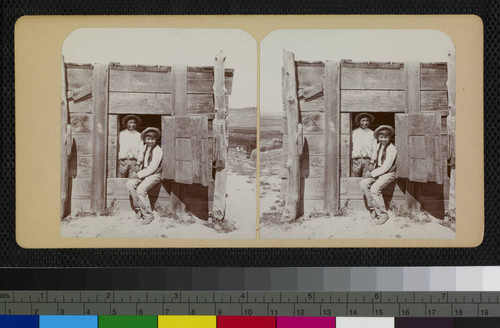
{"points": [[159, 131], [357, 134]]}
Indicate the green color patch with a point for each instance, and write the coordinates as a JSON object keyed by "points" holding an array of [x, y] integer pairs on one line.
{"points": [[128, 321]]}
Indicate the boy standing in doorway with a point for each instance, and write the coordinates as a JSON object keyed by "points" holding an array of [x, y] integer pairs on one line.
{"points": [[363, 145], [148, 177], [130, 145], [382, 176]]}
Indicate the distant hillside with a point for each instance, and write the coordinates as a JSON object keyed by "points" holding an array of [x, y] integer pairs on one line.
{"points": [[270, 122], [243, 118]]}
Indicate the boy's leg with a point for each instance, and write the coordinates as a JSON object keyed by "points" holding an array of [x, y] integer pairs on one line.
{"points": [[142, 193], [357, 167], [365, 166], [365, 185], [378, 200], [123, 168], [132, 189]]}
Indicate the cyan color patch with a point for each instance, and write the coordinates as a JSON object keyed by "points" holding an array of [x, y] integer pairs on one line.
{"points": [[68, 321]]}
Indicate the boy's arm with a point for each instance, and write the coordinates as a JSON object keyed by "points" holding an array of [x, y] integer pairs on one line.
{"points": [[155, 162], [373, 155], [140, 155], [122, 146], [390, 157]]}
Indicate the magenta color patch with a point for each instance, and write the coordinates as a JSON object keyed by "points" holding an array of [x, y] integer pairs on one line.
{"points": [[305, 322]]}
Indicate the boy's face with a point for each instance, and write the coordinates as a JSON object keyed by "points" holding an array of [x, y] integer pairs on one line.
{"points": [[150, 141], [131, 124], [383, 138], [364, 123]]}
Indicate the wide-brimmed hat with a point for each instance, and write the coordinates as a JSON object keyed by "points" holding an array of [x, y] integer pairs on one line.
{"points": [[358, 117], [383, 127], [155, 130], [128, 117]]}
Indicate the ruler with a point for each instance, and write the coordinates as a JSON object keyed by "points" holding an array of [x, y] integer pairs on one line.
{"points": [[252, 303]]}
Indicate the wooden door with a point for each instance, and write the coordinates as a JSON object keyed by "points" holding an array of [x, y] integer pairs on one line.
{"points": [[418, 142], [184, 145]]}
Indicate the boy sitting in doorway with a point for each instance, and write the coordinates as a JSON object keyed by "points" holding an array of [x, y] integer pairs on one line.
{"points": [[148, 177], [364, 145], [382, 176], [130, 145]]}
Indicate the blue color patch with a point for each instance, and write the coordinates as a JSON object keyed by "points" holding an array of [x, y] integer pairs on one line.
{"points": [[18, 321], [66, 321]]}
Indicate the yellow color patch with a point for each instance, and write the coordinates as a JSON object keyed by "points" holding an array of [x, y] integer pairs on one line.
{"points": [[186, 321]]}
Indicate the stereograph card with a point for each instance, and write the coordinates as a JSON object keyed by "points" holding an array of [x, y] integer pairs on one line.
{"points": [[249, 131]]}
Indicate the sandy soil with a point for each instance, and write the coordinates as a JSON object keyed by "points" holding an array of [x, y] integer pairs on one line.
{"points": [[240, 220], [352, 225]]}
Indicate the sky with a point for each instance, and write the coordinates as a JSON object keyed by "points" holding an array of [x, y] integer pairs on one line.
{"points": [[155, 46], [357, 45]]}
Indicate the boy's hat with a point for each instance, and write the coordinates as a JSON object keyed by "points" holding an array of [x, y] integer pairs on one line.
{"points": [[383, 127], [358, 118], [129, 117], [149, 130]]}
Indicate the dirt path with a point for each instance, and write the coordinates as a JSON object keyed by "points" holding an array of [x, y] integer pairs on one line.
{"points": [[240, 220], [353, 225]]}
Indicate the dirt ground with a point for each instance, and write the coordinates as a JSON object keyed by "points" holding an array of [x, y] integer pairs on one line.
{"points": [[239, 223], [351, 224]]}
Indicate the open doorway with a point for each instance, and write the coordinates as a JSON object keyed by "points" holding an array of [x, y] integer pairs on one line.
{"points": [[380, 118], [145, 121]]}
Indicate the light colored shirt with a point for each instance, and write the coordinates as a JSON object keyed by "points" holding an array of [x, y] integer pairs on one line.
{"points": [[151, 167], [364, 144], [130, 144], [390, 157]]}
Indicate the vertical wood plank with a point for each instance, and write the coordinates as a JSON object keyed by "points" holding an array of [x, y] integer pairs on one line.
{"points": [[196, 147], [402, 146], [438, 168], [113, 132], [412, 88], [412, 74], [220, 139], [450, 123], [178, 197], [294, 146], [332, 137], [66, 143], [179, 92], [168, 147], [204, 152], [100, 142], [179, 108], [430, 145]]}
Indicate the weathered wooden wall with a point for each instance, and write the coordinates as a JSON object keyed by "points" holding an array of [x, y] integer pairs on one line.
{"points": [[139, 90], [364, 87]]}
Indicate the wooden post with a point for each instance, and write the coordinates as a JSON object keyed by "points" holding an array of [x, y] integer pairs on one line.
{"points": [[179, 107], [450, 125], [412, 74], [291, 106], [100, 142], [220, 140], [332, 137], [66, 143]]}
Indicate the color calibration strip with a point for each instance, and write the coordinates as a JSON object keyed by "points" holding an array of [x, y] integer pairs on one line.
{"points": [[239, 322], [257, 279]]}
